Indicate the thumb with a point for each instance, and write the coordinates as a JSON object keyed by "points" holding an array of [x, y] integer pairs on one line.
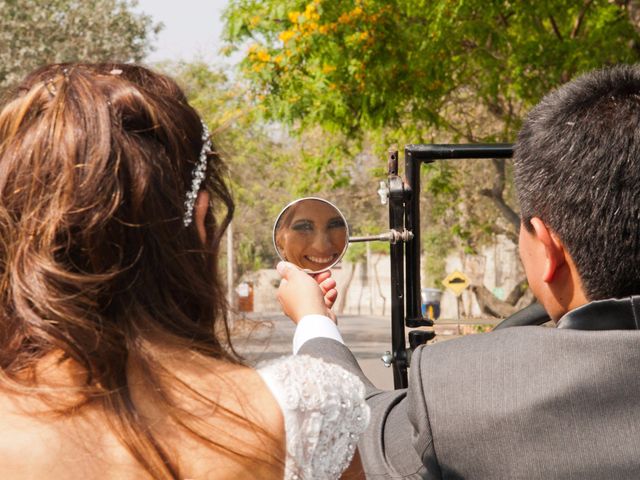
{"points": [[286, 270]]}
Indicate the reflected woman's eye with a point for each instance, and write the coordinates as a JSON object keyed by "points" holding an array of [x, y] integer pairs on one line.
{"points": [[336, 223], [302, 226]]}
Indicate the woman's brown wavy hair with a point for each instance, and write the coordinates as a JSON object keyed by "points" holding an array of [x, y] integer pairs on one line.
{"points": [[95, 163]]}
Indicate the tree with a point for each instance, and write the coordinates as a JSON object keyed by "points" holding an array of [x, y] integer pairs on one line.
{"points": [[253, 158], [267, 168], [460, 70], [361, 64], [36, 32], [379, 72]]}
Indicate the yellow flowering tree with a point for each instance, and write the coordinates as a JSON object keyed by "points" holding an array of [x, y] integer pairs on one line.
{"points": [[357, 65], [409, 71], [266, 168], [317, 62]]}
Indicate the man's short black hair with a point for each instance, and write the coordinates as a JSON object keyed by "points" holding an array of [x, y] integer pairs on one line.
{"points": [[577, 167]]}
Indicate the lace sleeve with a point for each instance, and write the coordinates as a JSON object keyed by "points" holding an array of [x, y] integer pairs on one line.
{"points": [[324, 413]]}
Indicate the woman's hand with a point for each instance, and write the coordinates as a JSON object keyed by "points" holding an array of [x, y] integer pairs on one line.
{"points": [[328, 287], [300, 294]]}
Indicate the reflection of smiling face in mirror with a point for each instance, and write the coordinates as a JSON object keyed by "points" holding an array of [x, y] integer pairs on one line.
{"points": [[311, 234]]}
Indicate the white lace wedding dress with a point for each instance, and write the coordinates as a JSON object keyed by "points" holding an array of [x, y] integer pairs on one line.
{"points": [[324, 414]]}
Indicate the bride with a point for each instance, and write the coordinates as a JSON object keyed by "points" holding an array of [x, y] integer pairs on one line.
{"points": [[115, 360]]}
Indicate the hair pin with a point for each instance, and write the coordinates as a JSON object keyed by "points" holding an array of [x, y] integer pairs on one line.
{"points": [[197, 175]]}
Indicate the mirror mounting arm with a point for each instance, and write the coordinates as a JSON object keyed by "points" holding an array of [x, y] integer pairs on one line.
{"points": [[392, 236]]}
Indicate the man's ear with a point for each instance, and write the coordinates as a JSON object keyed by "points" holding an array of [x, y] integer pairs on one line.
{"points": [[200, 210], [553, 248]]}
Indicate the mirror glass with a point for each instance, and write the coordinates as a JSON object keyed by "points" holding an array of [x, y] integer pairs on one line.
{"points": [[311, 233]]}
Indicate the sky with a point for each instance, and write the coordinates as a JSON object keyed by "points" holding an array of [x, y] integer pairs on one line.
{"points": [[192, 29]]}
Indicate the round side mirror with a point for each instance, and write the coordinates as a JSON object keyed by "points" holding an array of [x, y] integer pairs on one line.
{"points": [[311, 233]]}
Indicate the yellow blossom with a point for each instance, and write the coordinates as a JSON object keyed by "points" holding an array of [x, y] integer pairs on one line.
{"points": [[309, 11], [354, 37], [286, 36], [294, 16], [255, 20], [257, 67], [278, 59], [323, 28], [356, 12], [253, 47], [344, 18], [364, 36], [327, 69], [263, 56]]}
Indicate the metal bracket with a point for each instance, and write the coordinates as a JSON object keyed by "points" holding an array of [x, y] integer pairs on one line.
{"points": [[392, 236]]}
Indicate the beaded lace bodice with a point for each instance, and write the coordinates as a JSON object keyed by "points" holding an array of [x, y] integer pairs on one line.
{"points": [[324, 414]]}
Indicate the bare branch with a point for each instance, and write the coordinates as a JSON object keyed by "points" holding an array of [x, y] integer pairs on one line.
{"points": [[496, 194], [504, 19], [633, 9], [517, 292], [580, 18], [493, 306], [490, 304], [556, 30], [510, 233]]}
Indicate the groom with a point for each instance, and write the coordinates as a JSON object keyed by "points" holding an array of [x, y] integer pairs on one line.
{"points": [[530, 402]]}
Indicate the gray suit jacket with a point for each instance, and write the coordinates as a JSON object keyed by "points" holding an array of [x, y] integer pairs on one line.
{"points": [[519, 403]]}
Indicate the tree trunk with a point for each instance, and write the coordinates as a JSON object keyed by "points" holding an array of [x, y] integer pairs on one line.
{"points": [[491, 305], [633, 8], [496, 193]]}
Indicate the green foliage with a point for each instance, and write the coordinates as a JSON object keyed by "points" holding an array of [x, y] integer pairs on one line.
{"points": [[482, 328], [356, 252], [365, 74], [438, 243], [321, 167], [268, 168], [257, 164], [36, 32], [357, 65]]}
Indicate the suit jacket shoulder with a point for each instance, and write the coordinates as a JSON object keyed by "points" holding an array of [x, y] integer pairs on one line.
{"points": [[526, 402], [534, 402]]}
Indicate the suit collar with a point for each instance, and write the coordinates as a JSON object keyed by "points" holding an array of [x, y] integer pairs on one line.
{"points": [[611, 314]]}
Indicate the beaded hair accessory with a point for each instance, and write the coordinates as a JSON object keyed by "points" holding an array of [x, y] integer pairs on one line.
{"points": [[197, 176]]}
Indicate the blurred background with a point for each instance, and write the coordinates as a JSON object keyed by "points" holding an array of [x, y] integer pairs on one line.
{"points": [[305, 98]]}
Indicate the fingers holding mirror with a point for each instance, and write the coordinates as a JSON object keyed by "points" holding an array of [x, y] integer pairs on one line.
{"points": [[311, 233]]}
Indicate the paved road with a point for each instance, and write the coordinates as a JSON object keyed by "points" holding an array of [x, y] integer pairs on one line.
{"points": [[261, 337], [265, 336]]}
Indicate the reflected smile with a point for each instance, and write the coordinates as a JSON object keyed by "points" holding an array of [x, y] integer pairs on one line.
{"points": [[322, 259]]}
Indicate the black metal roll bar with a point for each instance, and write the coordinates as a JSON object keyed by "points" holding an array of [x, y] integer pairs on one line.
{"points": [[404, 214]]}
